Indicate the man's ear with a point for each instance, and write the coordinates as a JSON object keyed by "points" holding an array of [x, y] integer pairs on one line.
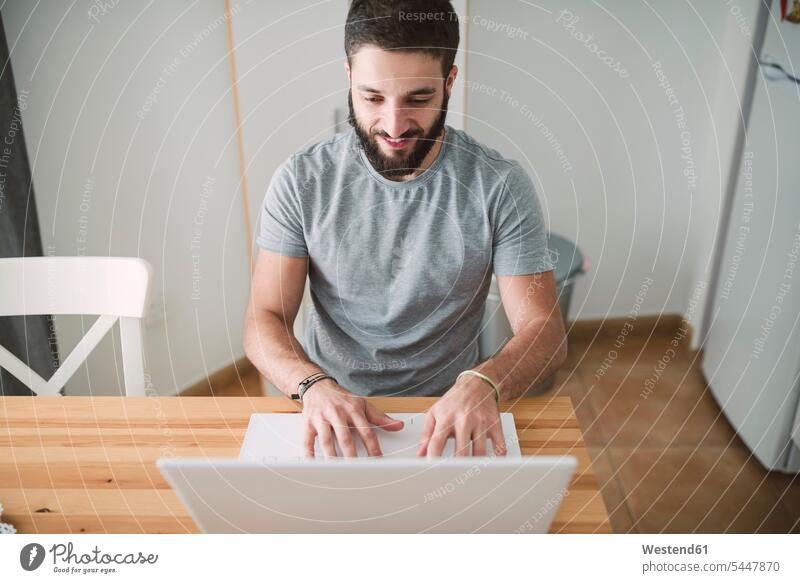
{"points": [[451, 78], [347, 69]]}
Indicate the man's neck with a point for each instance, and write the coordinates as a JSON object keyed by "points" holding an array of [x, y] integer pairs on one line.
{"points": [[437, 145]]}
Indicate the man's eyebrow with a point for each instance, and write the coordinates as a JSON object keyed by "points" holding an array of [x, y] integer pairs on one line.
{"points": [[420, 91]]}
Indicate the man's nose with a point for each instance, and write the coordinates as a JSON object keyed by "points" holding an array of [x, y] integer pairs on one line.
{"points": [[395, 121]]}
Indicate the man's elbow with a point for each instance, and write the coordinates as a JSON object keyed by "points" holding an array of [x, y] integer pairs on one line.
{"points": [[561, 350], [247, 334]]}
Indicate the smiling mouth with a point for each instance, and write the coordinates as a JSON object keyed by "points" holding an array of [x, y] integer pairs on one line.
{"points": [[395, 144]]}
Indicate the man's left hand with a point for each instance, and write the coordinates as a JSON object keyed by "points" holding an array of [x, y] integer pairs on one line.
{"points": [[468, 411]]}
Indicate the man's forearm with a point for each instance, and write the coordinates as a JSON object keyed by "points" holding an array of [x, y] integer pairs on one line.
{"points": [[271, 346], [531, 356]]}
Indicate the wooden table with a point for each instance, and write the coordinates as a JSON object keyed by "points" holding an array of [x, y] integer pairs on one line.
{"points": [[86, 464]]}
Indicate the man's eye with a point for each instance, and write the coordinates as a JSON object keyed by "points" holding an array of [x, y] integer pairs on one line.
{"points": [[373, 99], [420, 101]]}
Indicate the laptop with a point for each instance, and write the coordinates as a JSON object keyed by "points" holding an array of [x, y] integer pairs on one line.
{"points": [[271, 488]]}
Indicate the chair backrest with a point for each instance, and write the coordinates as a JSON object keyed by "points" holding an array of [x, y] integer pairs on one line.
{"points": [[113, 288]]}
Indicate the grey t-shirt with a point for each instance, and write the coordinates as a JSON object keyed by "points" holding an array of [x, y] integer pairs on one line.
{"points": [[400, 271]]}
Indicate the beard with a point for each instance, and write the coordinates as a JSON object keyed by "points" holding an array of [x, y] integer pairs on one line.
{"points": [[396, 166]]}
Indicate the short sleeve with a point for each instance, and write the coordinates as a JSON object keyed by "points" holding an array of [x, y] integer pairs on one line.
{"points": [[281, 230], [520, 233]]}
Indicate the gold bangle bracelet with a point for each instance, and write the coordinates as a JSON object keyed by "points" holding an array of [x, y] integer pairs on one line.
{"points": [[485, 378]]}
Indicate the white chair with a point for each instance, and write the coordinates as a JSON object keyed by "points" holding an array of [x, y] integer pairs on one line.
{"points": [[113, 288]]}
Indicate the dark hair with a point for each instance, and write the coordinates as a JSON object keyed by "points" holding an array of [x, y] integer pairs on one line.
{"points": [[425, 26]]}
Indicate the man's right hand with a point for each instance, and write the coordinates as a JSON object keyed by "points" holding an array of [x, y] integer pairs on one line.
{"points": [[330, 411]]}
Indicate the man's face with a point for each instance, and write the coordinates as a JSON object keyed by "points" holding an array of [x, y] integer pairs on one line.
{"points": [[398, 105]]}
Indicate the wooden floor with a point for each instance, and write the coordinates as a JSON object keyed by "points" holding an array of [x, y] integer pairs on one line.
{"points": [[665, 457]]}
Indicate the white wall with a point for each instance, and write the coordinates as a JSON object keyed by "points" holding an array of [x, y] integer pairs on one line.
{"points": [[619, 189], [129, 128]]}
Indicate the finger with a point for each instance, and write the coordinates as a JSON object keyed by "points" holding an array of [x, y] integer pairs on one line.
{"points": [[365, 431], [380, 419], [309, 435], [427, 431], [441, 434], [341, 427], [498, 439], [479, 442], [326, 439], [463, 433]]}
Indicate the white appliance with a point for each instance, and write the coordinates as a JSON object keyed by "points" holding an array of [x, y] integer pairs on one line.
{"points": [[752, 347]]}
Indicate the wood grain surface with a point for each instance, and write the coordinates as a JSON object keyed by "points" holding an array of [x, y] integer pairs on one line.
{"points": [[87, 464]]}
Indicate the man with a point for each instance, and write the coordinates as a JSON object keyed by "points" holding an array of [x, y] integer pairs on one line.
{"points": [[399, 223]]}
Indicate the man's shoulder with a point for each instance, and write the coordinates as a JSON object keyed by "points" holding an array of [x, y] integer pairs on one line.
{"points": [[471, 154], [335, 144], [313, 164], [325, 151]]}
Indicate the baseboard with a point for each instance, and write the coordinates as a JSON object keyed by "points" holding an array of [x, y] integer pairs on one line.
{"points": [[661, 324], [580, 330], [223, 377]]}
